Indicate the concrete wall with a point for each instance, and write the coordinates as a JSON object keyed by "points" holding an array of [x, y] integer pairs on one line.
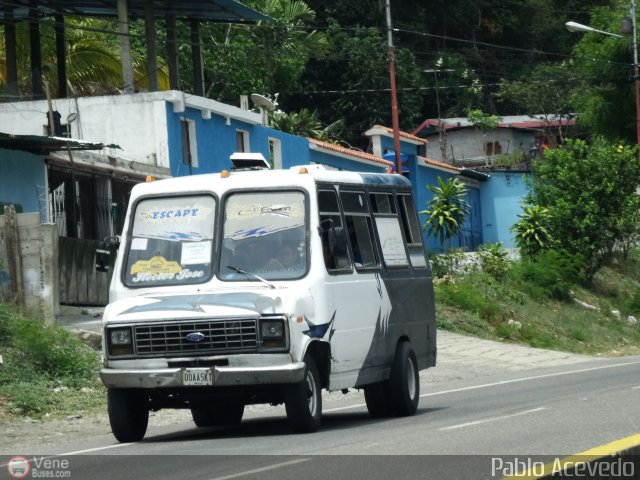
{"points": [[467, 143], [39, 261], [136, 123]]}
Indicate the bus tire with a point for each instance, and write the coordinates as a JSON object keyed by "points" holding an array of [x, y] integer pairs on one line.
{"points": [[404, 382], [128, 414], [220, 414], [376, 396], [303, 400]]}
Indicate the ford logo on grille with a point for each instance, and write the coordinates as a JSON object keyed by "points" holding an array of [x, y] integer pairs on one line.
{"points": [[194, 337]]}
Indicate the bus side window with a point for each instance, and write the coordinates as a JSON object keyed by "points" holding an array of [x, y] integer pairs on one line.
{"points": [[412, 231], [360, 232], [389, 228], [334, 241]]}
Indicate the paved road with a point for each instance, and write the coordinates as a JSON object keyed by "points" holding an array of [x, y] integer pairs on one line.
{"points": [[539, 413], [484, 400]]}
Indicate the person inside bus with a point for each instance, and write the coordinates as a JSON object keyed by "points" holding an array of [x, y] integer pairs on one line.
{"points": [[286, 259]]}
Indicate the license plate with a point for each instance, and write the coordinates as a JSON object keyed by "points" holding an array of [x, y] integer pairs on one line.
{"points": [[197, 376]]}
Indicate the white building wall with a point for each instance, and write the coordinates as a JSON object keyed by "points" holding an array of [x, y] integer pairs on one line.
{"points": [[469, 144], [136, 123]]}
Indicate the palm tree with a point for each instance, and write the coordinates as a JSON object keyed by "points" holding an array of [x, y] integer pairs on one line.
{"points": [[306, 124], [93, 62], [531, 231], [447, 209]]}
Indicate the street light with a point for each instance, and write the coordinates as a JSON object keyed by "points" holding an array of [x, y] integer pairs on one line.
{"points": [[577, 27]]}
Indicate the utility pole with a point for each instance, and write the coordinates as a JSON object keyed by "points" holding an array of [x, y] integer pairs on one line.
{"points": [[125, 46], [394, 101], [636, 69]]}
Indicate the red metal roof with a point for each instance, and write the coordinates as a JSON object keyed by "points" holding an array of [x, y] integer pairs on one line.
{"points": [[444, 165], [403, 134], [354, 153]]}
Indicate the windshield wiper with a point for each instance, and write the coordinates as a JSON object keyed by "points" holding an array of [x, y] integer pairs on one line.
{"points": [[252, 275]]}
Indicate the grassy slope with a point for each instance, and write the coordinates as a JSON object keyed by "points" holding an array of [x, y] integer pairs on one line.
{"points": [[475, 304], [46, 372]]}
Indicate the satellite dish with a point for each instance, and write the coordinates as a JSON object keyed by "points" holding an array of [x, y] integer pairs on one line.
{"points": [[262, 102]]}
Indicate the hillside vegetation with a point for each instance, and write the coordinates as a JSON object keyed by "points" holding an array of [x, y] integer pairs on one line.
{"points": [[541, 303], [45, 372]]}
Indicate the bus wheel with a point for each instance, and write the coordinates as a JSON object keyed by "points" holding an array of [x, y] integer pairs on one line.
{"points": [[128, 414], [404, 383], [376, 395], [303, 400], [220, 414]]}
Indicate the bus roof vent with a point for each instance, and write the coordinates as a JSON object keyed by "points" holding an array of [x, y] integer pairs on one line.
{"points": [[249, 161]]}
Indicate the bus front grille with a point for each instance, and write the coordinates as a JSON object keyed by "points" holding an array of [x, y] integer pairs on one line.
{"points": [[196, 338]]}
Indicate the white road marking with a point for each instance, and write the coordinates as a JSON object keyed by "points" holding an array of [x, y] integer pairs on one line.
{"points": [[526, 379], [263, 469], [636, 388], [502, 382], [492, 419], [79, 452]]}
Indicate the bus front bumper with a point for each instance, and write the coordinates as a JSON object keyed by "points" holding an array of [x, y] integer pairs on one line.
{"points": [[221, 376]]}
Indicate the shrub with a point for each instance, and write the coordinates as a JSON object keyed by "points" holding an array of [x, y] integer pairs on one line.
{"points": [[447, 263], [549, 274], [494, 260], [50, 349], [37, 359]]}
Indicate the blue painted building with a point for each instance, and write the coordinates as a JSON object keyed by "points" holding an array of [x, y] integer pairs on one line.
{"points": [[177, 134], [27, 188], [501, 202]]}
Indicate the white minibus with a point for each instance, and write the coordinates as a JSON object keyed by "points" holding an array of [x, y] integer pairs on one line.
{"points": [[266, 286]]}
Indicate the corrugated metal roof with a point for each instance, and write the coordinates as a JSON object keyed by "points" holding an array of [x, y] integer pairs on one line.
{"points": [[43, 145], [208, 10], [510, 121]]}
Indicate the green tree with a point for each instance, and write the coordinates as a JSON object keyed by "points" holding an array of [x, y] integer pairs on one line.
{"points": [[545, 91], [590, 193], [447, 209], [531, 231], [352, 83], [269, 57], [604, 101]]}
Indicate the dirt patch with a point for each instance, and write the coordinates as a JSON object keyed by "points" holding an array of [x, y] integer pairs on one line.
{"points": [[26, 435]]}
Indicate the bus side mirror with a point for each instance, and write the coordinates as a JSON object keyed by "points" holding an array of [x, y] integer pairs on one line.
{"points": [[104, 249], [335, 237]]}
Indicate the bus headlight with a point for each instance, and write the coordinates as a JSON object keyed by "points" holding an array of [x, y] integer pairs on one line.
{"points": [[119, 341], [272, 333]]}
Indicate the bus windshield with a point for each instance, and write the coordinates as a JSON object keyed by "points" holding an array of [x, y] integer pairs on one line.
{"points": [[171, 241], [264, 236]]}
